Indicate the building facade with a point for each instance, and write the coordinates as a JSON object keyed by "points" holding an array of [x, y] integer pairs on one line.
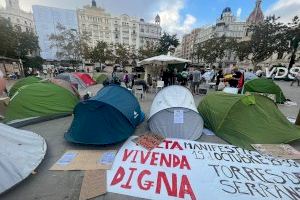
{"points": [[102, 26], [46, 21], [19, 18], [227, 25]]}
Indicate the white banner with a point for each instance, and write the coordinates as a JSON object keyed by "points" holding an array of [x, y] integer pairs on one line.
{"points": [[181, 169]]}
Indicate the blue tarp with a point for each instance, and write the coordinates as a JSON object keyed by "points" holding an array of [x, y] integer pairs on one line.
{"points": [[109, 117]]}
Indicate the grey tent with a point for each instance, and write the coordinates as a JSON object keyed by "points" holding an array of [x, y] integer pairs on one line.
{"points": [[173, 114], [74, 80], [21, 152]]}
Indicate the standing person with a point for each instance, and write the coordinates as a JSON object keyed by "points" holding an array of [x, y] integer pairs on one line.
{"points": [[149, 80], [49, 71], [220, 76], [126, 79], [236, 75], [297, 78], [165, 77], [184, 75], [196, 78]]}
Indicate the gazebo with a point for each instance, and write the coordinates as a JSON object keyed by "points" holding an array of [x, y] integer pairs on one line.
{"points": [[159, 62]]}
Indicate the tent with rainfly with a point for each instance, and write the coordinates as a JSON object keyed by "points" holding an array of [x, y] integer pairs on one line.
{"points": [[22, 82], [40, 100], [173, 114], [74, 80], [109, 117], [87, 79], [21, 153], [264, 86], [243, 120]]}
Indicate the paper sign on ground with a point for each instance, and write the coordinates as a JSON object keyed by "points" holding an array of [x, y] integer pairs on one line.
{"points": [[149, 141], [93, 184], [181, 169], [178, 117], [84, 160], [284, 151], [108, 158], [67, 158]]}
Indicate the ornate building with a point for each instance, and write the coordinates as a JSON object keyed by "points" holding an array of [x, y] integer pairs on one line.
{"points": [[257, 15], [19, 18], [102, 26]]}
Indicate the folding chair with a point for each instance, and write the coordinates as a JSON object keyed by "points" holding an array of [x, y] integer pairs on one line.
{"points": [[160, 85], [139, 90]]}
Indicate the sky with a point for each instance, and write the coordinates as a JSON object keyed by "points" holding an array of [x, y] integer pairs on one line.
{"points": [[178, 16]]}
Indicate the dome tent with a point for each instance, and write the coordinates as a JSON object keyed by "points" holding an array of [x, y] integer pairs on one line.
{"points": [[74, 80], [40, 100], [109, 117], [266, 86], [21, 153], [22, 82], [174, 115], [243, 120], [87, 79]]}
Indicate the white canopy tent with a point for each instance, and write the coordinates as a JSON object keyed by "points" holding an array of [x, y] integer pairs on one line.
{"points": [[163, 60], [173, 114], [159, 62], [21, 152]]}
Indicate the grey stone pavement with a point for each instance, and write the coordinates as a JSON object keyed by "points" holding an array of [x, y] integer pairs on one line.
{"points": [[65, 185]]}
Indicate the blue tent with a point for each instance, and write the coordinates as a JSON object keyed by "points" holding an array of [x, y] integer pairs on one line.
{"points": [[109, 117]]}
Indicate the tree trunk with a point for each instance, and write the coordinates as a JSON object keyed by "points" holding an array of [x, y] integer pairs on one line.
{"points": [[298, 119]]}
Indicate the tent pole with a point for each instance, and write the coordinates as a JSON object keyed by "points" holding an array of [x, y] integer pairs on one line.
{"points": [[298, 119]]}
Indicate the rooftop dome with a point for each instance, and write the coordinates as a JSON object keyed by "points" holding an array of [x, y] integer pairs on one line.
{"points": [[227, 9], [257, 15]]}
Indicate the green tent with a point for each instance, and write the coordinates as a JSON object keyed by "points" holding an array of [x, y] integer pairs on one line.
{"points": [[22, 82], [265, 86], [243, 120], [40, 100]]}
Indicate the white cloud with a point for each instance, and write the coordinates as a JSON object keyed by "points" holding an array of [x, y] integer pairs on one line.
{"points": [[285, 9], [171, 19], [239, 12]]}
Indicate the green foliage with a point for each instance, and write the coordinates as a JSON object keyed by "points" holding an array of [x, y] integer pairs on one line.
{"points": [[33, 62], [101, 53], [122, 54], [150, 50], [70, 44], [14, 43], [167, 41]]}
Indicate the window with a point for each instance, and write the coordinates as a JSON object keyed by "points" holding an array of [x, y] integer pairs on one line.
{"points": [[25, 22]]}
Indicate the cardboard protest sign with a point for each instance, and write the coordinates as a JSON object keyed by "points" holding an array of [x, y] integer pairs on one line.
{"points": [[149, 141], [85, 160], [284, 151], [181, 169]]}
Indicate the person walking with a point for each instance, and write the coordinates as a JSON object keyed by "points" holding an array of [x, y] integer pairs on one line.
{"points": [[220, 77], [196, 78], [297, 78]]}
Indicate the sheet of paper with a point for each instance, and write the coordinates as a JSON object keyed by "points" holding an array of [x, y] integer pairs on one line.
{"points": [[67, 158], [108, 158], [178, 117], [83, 160]]}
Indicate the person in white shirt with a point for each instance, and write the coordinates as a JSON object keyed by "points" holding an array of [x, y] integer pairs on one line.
{"points": [[297, 78]]}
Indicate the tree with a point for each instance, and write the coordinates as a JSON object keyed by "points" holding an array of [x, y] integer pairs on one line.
{"points": [[267, 38], [7, 39], [101, 53], [167, 41], [211, 50], [70, 44], [122, 54], [14, 43], [27, 43], [148, 51], [293, 32]]}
